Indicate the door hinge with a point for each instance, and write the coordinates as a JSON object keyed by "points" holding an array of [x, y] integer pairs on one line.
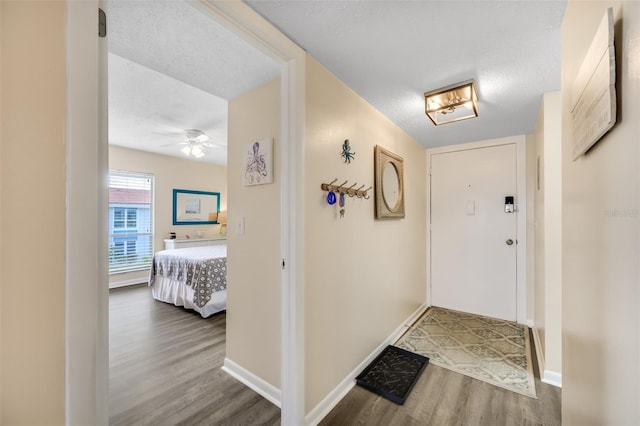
{"points": [[102, 23]]}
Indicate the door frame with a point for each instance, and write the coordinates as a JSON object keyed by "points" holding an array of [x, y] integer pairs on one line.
{"points": [[243, 21], [86, 306], [521, 219]]}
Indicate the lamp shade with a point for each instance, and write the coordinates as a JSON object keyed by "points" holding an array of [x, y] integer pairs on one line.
{"points": [[222, 217], [452, 103]]}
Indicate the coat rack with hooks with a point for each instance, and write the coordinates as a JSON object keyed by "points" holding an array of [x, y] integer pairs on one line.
{"points": [[351, 191]]}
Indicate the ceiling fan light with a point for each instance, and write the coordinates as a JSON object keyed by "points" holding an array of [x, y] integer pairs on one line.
{"points": [[202, 138], [444, 105], [197, 152], [186, 150]]}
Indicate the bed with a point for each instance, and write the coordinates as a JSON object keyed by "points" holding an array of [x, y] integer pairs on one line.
{"points": [[192, 277]]}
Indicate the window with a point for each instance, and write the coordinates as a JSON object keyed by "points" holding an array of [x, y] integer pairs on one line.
{"points": [[130, 221], [119, 216]]}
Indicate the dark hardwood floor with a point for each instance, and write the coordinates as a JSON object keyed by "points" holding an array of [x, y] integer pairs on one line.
{"points": [[165, 370], [165, 367]]}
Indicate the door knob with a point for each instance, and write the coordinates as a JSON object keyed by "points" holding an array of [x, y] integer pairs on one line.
{"points": [[509, 241]]}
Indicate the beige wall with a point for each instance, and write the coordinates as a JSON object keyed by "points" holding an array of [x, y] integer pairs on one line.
{"points": [[253, 296], [1, 137], [552, 170], [548, 233], [539, 243], [363, 277], [600, 267], [169, 173], [530, 161], [32, 174]]}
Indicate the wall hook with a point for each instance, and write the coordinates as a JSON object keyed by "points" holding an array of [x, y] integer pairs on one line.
{"points": [[351, 191]]}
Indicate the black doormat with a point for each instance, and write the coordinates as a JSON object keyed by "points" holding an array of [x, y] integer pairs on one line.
{"points": [[393, 373]]}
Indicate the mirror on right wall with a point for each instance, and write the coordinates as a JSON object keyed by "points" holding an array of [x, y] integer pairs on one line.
{"points": [[389, 184]]}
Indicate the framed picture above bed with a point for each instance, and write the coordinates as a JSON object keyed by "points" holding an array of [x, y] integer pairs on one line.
{"points": [[195, 207]]}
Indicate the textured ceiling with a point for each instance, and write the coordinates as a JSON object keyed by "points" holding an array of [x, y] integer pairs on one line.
{"points": [[391, 52], [178, 40], [172, 68], [154, 119]]}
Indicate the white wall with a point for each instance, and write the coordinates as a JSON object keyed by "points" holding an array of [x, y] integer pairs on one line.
{"points": [[601, 240], [253, 294], [364, 277], [169, 173], [548, 233], [32, 173]]}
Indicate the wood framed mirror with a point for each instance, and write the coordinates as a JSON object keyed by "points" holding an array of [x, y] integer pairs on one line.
{"points": [[389, 184]]}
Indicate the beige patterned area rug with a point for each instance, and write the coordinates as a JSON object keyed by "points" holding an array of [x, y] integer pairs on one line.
{"points": [[488, 349]]}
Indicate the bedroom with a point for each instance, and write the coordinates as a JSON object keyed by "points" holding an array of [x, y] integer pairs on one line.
{"points": [[156, 95], [149, 111]]}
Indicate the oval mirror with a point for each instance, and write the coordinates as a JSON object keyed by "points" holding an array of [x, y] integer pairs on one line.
{"points": [[390, 186]]}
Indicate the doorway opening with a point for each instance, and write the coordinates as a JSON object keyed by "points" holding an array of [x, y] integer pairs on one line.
{"points": [[173, 76], [87, 352]]}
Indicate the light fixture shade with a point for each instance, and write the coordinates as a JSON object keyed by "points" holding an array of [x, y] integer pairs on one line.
{"points": [[452, 103], [222, 217], [193, 149], [222, 220], [196, 151]]}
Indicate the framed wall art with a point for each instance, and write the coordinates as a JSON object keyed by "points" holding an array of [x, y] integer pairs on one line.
{"points": [[195, 207], [259, 162], [593, 95]]}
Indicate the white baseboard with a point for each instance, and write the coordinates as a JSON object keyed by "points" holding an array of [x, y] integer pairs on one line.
{"points": [[538, 346], [552, 378], [530, 323], [335, 396], [125, 283], [262, 387]]}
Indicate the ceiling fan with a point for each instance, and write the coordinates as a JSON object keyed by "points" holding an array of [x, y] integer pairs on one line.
{"points": [[194, 142]]}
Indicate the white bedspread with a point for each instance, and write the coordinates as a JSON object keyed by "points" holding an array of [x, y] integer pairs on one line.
{"points": [[196, 253], [193, 277]]}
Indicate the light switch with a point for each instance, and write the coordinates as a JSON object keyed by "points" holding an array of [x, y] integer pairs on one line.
{"points": [[471, 207], [240, 225]]}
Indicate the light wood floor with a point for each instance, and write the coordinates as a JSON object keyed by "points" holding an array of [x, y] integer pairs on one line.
{"points": [[443, 397], [164, 372], [165, 367]]}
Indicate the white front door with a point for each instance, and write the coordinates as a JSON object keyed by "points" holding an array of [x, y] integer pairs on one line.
{"points": [[473, 240]]}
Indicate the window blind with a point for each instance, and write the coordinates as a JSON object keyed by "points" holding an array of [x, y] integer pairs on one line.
{"points": [[130, 221]]}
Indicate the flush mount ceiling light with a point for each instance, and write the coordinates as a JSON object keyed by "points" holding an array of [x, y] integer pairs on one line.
{"points": [[452, 103]]}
